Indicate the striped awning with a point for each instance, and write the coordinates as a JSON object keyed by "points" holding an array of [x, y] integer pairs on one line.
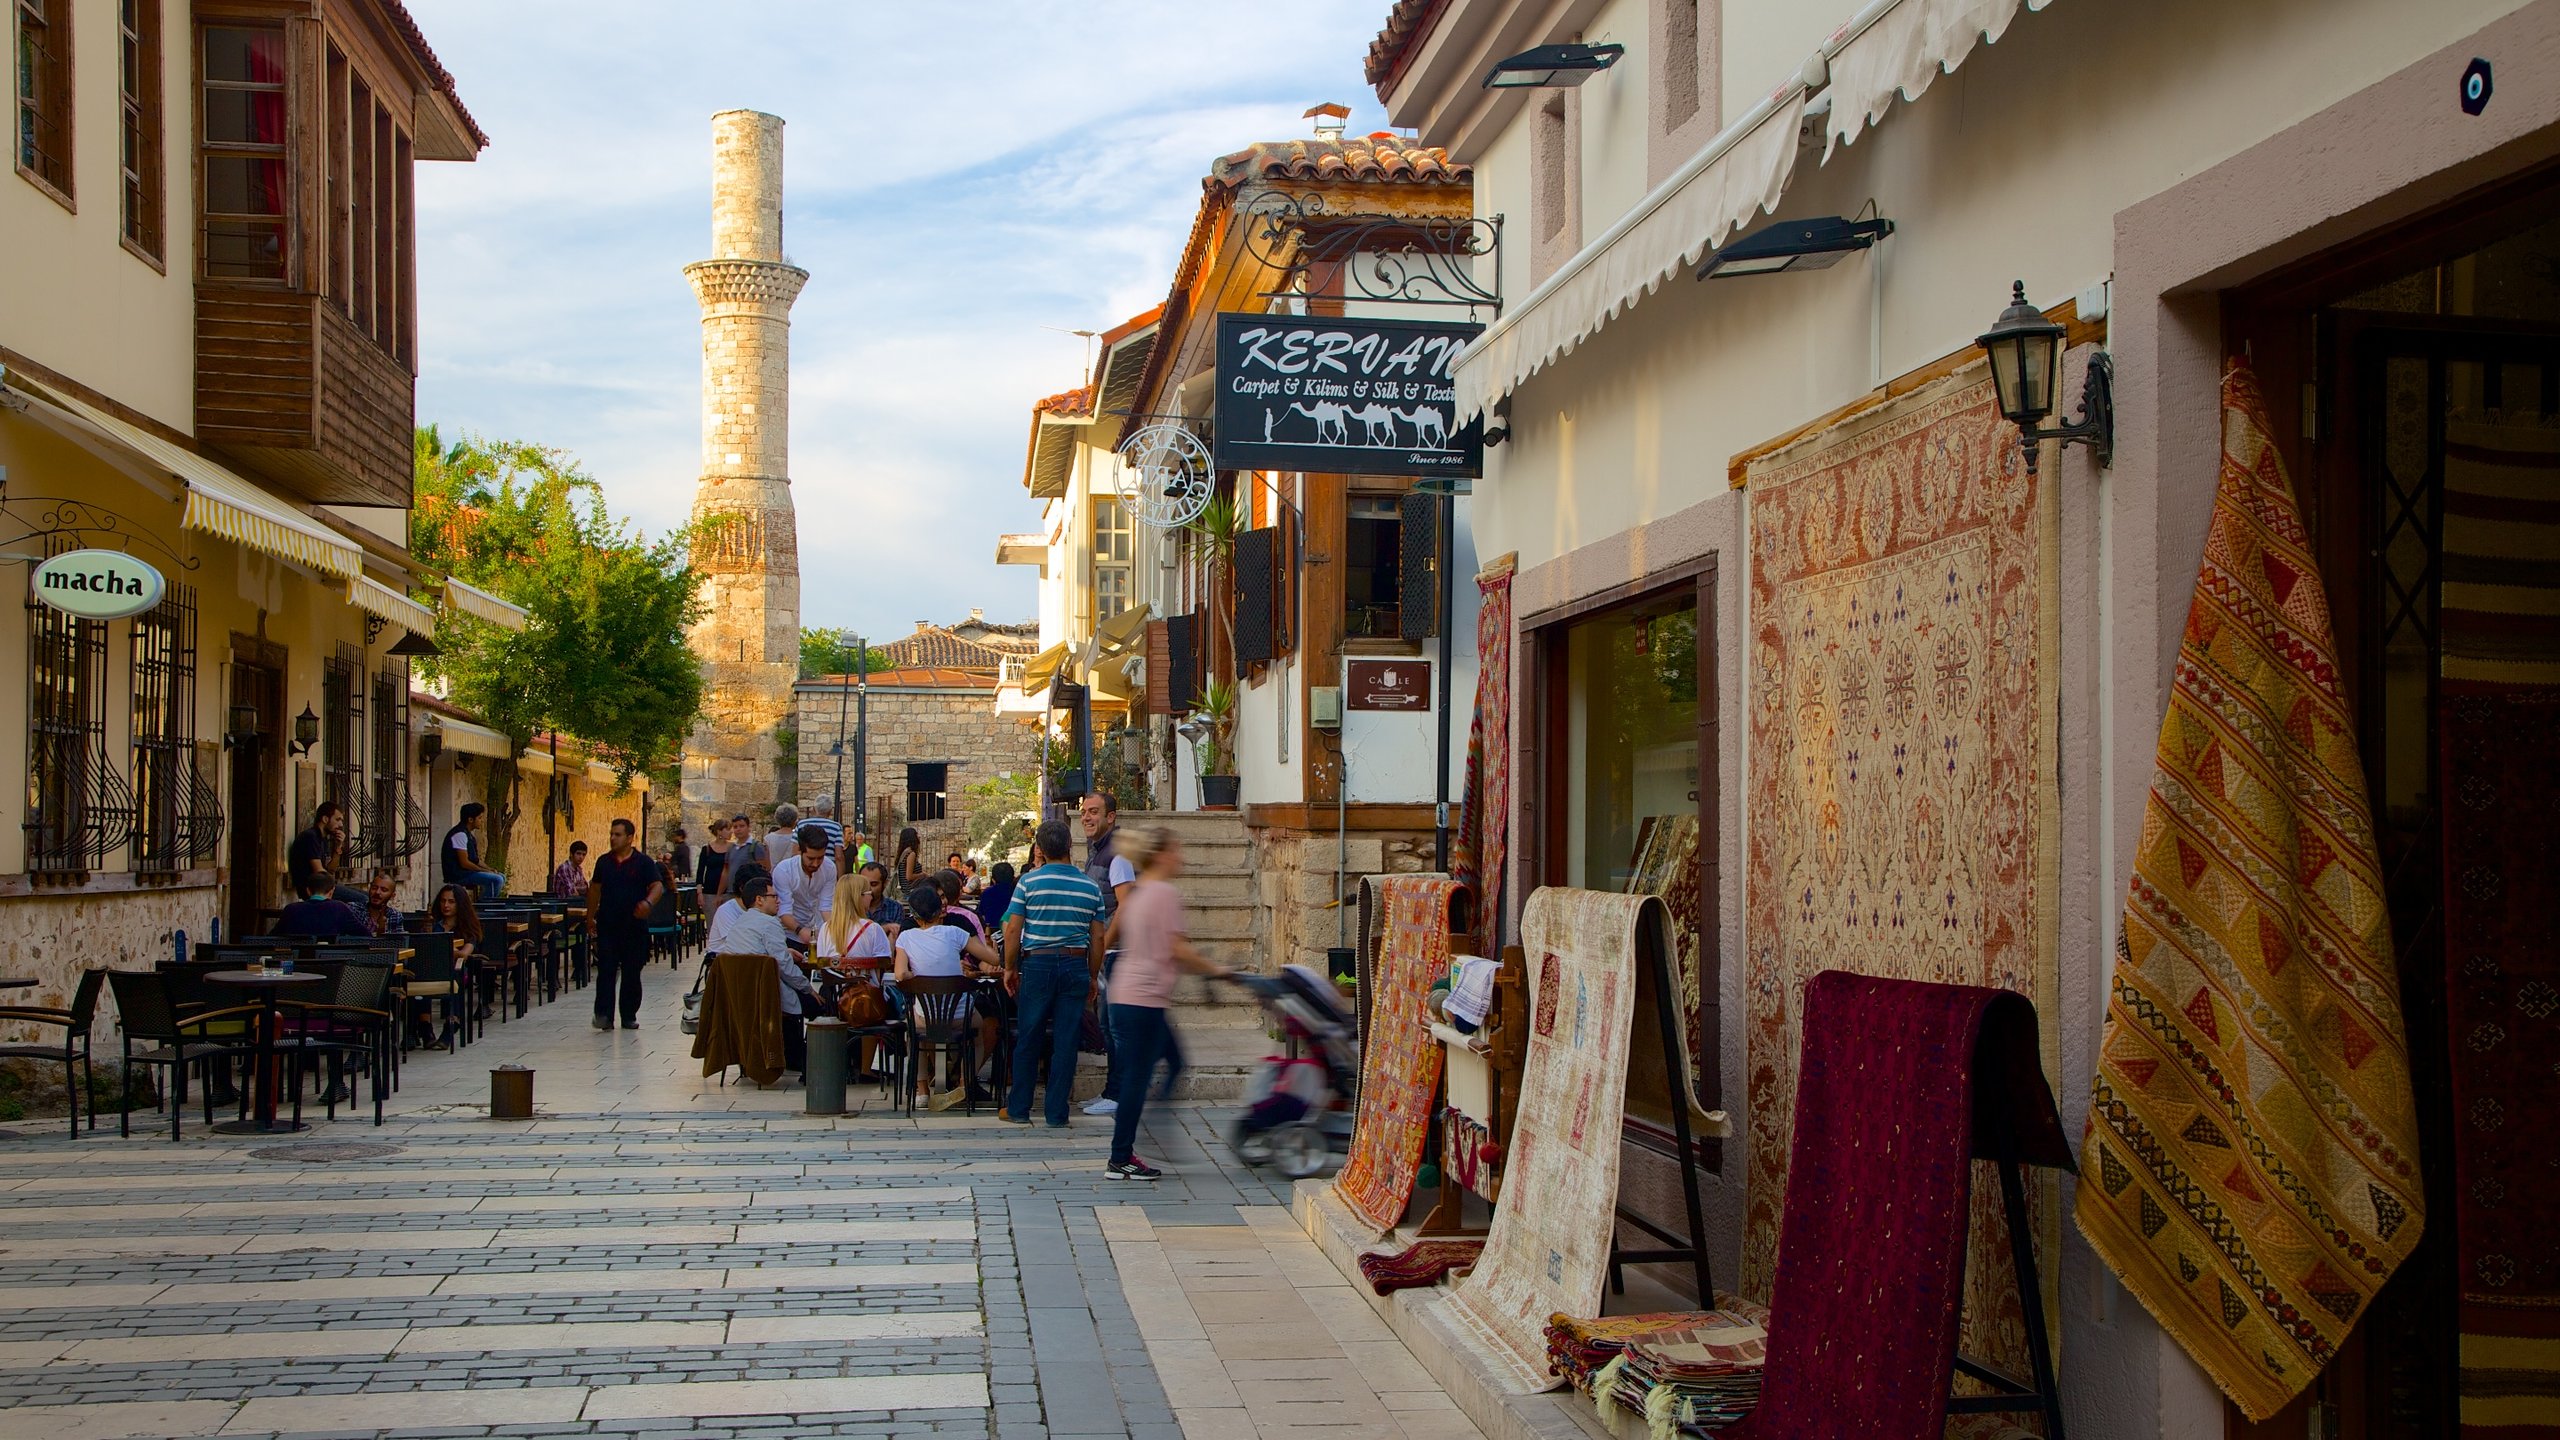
{"points": [[381, 601], [1043, 668], [601, 774], [480, 604], [534, 762], [218, 502], [465, 738], [1122, 633]]}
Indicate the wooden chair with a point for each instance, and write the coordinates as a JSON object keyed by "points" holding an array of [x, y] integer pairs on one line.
{"points": [[940, 1019], [73, 1051]]}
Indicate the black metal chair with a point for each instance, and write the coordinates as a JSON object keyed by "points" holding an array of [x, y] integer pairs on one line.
{"points": [[147, 1010], [73, 1052], [355, 1023], [941, 1019], [436, 983]]}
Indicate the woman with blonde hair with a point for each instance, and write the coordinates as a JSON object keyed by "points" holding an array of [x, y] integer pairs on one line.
{"points": [[1154, 953], [850, 936]]}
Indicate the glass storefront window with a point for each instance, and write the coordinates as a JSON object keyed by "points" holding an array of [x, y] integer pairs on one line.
{"points": [[1631, 750]]}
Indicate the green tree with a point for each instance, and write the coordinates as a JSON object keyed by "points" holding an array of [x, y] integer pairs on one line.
{"points": [[603, 656], [1001, 812], [829, 650]]}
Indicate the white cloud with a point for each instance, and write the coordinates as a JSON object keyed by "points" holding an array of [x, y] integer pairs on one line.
{"points": [[957, 178]]}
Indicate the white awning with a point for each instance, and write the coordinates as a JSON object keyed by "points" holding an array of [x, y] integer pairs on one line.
{"points": [[533, 762], [601, 775], [1739, 174], [1900, 48], [219, 503], [480, 604], [1892, 47], [381, 601], [464, 738]]}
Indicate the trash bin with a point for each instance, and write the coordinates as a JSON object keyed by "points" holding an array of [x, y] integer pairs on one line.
{"points": [[511, 1093], [823, 1076]]}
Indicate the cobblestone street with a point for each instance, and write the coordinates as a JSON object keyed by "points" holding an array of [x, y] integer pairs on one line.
{"points": [[659, 1254]]}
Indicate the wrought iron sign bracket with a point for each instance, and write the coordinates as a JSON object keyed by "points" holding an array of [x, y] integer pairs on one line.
{"points": [[1367, 255]]}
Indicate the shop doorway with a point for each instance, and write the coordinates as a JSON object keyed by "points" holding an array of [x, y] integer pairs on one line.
{"points": [[257, 786], [2421, 371]]}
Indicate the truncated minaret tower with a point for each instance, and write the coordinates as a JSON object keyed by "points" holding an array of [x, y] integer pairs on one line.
{"points": [[746, 544]]}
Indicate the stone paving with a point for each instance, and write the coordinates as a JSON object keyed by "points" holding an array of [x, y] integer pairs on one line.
{"points": [[658, 1254]]}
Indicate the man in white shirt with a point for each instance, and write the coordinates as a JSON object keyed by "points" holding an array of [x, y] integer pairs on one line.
{"points": [[808, 886], [758, 931]]}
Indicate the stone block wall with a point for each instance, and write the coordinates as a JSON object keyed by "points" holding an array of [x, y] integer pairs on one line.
{"points": [[957, 726], [1294, 913]]}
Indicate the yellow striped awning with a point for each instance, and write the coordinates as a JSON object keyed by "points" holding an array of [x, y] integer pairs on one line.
{"points": [[1043, 668], [463, 737], [219, 502], [601, 774], [533, 762], [381, 601], [1122, 633], [480, 604]]}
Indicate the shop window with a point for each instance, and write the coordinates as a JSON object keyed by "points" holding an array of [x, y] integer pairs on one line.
{"points": [[928, 791], [1115, 548], [1632, 735], [1374, 550], [44, 94], [342, 729], [165, 783], [138, 82], [244, 162], [70, 823]]}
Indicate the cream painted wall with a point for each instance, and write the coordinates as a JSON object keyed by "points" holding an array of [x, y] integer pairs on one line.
{"points": [[1765, 41], [1615, 119], [73, 298]]}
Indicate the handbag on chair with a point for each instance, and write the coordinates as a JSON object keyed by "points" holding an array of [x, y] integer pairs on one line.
{"points": [[863, 1006]]}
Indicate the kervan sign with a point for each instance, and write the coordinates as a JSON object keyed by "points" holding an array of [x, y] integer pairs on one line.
{"points": [[1338, 396], [98, 584]]}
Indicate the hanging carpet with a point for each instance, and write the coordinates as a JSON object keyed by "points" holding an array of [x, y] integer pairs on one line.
{"points": [[1400, 1063], [1484, 825], [2251, 1164]]}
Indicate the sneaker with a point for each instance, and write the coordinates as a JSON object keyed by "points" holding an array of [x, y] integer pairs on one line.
{"points": [[1013, 1119], [628, 1025], [604, 1022], [1103, 1106], [1132, 1169]]}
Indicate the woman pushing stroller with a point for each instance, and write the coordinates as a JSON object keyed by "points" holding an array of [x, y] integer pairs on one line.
{"points": [[1154, 951]]}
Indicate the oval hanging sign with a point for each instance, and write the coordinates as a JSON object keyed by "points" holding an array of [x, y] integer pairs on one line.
{"points": [[98, 584]]}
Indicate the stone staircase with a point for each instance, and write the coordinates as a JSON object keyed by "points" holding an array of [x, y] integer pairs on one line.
{"points": [[1222, 1029]]}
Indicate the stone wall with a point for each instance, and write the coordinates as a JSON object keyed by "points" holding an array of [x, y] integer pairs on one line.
{"points": [[1294, 914], [52, 938], [957, 726]]}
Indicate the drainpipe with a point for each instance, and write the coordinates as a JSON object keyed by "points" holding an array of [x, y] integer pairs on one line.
{"points": [[1448, 508]]}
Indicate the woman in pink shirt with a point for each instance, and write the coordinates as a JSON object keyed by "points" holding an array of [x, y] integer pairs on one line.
{"points": [[1154, 951]]}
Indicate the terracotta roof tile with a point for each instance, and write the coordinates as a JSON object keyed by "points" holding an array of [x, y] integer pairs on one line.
{"points": [[933, 677], [426, 57], [1408, 25], [1384, 158], [1066, 402], [935, 646]]}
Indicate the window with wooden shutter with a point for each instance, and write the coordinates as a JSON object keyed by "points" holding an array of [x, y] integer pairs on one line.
{"points": [[1182, 663], [1257, 565], [1418, 572], [44, 94]]}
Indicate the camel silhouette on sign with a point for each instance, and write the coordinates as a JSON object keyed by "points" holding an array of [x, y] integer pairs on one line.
{"points": [[1377, 424], [1430, 427], [1329, 418]]}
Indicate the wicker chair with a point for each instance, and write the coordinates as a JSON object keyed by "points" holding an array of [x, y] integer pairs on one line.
{"points": [[147, 1010], [73, 1051]]}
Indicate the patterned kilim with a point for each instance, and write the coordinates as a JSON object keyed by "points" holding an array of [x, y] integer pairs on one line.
{"points": [[2251, 1166], [1485, 820], [1400, 1064], [2499, 729], [1548, 1252], [1666, 864], [1904, 818], [1421, 1263]]}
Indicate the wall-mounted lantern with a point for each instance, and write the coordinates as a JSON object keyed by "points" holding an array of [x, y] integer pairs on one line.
{"points": [[2026, 370], [306, 732]]}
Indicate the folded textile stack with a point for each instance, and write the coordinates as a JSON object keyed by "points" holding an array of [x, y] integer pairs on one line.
{"points": [[1699, 1377], [1422, 1263], [1577, 1348]]}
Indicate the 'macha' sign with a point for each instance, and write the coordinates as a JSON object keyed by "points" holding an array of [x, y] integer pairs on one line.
{"points": [[1338, 396], [98, 584]]}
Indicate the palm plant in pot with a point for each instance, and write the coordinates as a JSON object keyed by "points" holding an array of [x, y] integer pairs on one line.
{"points": [[1213, 534], [1213, 744]]}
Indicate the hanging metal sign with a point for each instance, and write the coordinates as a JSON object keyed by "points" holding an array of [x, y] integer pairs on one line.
{"points": [[1334, 395], [98, 584]]}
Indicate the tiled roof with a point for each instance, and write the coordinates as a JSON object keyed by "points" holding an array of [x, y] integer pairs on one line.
{"points": [[1407, 26], [1066, 402], [935, 646], [426, 57], [918, 677], [1384, 158]]}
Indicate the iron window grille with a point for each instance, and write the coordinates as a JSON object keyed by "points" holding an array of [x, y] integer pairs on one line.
{"points": [[164, 724], [394, 827], [342, 734], [79, 809], [928, 792]]}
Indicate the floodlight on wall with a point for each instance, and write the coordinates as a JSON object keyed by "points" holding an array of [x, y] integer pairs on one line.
{"points": [[1815, 244], [2026, 372], [1552, 66]]}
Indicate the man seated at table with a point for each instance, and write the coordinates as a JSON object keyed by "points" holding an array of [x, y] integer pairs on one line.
{"points": [[316, 914], [757, 930], [381, 904], [569, 880]]}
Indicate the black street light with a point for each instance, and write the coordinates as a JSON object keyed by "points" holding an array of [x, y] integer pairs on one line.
{"points": [[1552, 66], [1815, 244], [2026, 370]]}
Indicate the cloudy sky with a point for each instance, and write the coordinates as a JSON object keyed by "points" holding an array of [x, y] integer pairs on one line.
{"points": [[958, 177]]}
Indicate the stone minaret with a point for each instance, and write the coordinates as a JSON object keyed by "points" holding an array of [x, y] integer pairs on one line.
{"points": [[746, 545]]}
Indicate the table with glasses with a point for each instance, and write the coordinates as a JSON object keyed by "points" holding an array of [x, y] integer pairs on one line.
{"points": [[268, 985]]}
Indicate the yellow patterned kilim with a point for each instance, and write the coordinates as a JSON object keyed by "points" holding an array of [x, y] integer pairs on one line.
{"points": [[2251, 1167]]}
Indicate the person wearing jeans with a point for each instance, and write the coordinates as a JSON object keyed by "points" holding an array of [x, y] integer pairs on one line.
{"points": [[1154, 951], [624, 889], [1052, 952]]}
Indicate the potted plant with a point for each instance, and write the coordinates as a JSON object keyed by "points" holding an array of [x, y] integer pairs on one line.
{"points": [[1214, 745]]}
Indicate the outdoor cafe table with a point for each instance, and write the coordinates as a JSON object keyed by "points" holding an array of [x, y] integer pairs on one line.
{"points": [[267, 984]]}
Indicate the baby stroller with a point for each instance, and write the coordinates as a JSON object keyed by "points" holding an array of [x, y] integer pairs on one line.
{"points": [[1297, 1111]]}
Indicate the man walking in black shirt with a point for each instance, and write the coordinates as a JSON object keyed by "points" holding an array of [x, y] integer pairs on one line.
{"points": [[625, 887]]}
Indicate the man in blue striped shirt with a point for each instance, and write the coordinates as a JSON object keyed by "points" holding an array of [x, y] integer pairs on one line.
{"points": [[1052, 953]]}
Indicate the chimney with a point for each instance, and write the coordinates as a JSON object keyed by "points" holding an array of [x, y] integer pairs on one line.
{"points": [[977, 615], [1331, 120], [923, 625]]}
